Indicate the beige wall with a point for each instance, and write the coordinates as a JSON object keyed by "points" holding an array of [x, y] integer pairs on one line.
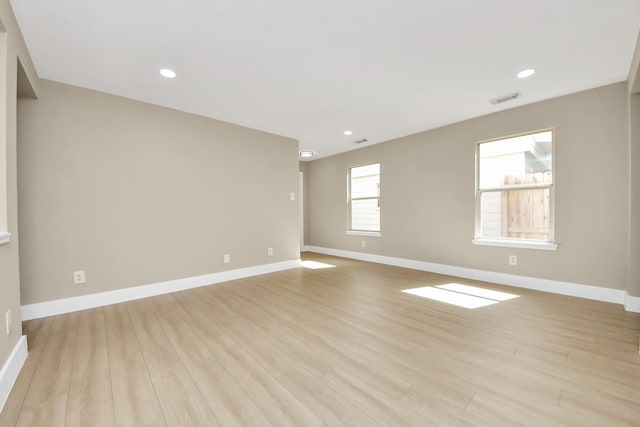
{"points": [[634, 195], [304, 169], [13, 49], [427, 192], [634, 175], [135, 194]]}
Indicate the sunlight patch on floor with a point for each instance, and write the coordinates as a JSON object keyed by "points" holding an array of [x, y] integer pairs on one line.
{"points": [[315, 265], [479, 292], [461, 295]]}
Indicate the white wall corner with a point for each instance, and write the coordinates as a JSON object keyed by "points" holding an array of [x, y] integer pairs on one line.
{"points": [[12, 368], [5, 237], [68, 305], [632, 304], [545, 285]]}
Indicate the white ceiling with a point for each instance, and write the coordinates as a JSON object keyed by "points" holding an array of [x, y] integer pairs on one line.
{"points": [[311, 69]]}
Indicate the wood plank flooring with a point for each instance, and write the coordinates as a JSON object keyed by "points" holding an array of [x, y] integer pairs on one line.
{"points": [[331, 347]]}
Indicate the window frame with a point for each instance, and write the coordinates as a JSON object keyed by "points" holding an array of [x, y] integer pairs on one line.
{"points": [[478, 239], [350, 230]]}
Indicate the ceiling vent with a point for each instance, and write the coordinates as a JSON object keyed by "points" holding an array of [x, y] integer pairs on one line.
{"points": [[360, 141], [505, 98]]}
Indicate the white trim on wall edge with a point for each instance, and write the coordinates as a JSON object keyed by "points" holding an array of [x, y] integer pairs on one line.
{"points": [[564, 288], [5, 237], [305, 248], [515, 243], [12, 368], [364, 233], [68, 305]]}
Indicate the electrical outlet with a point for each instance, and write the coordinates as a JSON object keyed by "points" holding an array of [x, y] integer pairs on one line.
{"points": [[79, 277], [363, 243], [270, 251], [227, 258], [292, 196], [8, 321], [513, 260]]}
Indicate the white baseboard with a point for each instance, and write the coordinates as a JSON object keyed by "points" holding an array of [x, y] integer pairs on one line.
{"points": [[564, 288], [305, 248], [68, 305], [632, 304], [11, 369]]}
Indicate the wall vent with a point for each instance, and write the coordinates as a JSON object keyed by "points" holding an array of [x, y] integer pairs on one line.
{"points": [[505, 98]]}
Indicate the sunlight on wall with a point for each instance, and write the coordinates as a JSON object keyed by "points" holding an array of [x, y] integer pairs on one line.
{"points": [[461, 295]]}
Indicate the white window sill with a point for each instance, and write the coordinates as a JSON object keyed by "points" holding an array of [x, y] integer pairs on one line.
{"points": [[5, 237], [364, 233], [512, 243]]}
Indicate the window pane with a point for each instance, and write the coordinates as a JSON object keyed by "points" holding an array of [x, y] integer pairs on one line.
{"points": [[365, 181], [365, 215], [516, 214], [520, 160]]}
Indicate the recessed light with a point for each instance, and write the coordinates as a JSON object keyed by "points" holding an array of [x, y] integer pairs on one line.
{"points": [[168, 73], [306, 153], [347, 132], [526, 73]]}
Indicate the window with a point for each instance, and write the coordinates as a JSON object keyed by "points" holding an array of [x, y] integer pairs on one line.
{"points": [[514, 192], [364, 199]]}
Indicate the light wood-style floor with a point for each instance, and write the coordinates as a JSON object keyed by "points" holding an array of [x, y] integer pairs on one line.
{"points": [[337, 346]]}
